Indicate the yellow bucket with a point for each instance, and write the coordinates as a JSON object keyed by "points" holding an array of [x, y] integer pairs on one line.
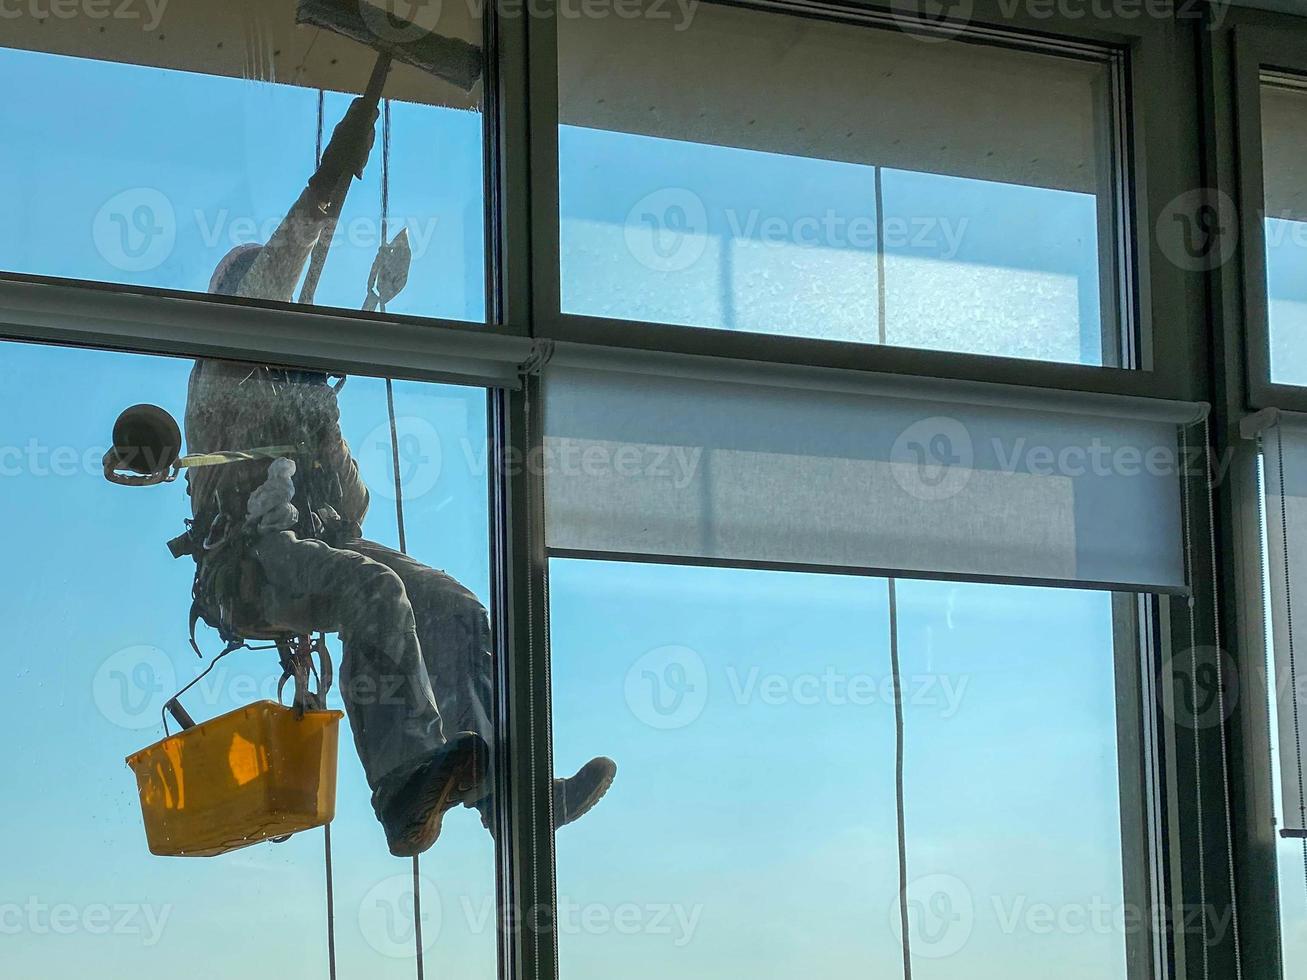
{"points": [[247, 776]]}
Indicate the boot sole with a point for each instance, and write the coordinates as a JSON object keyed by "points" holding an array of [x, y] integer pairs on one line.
{"points": [[445, 797], [600, 790]]}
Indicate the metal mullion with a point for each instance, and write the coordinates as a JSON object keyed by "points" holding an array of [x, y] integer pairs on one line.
{"points": [[546, 291], [525, 816], [909, 361], [1241, 363], [524, 106], [508, 190]]}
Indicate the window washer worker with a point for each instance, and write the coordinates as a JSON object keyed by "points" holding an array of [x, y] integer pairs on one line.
{"points": [[416, 675]]}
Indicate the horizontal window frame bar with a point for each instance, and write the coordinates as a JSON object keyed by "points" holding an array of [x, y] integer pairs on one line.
{"points": [[935, 389], [847, 355], [81, 314]]}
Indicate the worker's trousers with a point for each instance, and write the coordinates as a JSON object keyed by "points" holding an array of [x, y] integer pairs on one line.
{"points": [[417, 664]]}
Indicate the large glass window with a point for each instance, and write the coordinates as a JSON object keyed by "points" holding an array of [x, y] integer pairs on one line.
{"points": [[1284, 116], [1280, 552], [757, 171], [752, 830], [155, 149], [1291, 862], [95, 612]]}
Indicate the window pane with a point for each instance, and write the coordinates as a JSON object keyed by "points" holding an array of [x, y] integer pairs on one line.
{"points": [[757, 171], [1284, 116], [147, 149], [1290, 853], [96, 613], [752, 828]]}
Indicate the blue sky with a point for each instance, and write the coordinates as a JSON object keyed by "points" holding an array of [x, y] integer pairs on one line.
{"points": [[755, 838]]}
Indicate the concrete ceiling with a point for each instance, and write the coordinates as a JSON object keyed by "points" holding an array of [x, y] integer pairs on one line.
{"points": [[252, 39]]}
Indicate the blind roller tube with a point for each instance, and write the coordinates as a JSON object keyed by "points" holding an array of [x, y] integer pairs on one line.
{"points": [[651, 466], [198, 326]]}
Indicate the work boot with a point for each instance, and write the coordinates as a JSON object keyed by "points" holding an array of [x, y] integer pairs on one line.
{"points": [[412, 811], [575, 796]]}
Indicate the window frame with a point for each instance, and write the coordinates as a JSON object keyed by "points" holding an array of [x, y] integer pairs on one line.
{"points": [[1161, 122], [1241, 45], [1258, 50], [1149, 119]]}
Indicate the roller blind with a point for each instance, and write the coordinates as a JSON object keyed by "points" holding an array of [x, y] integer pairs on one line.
{"points": [[802, 86], [1284, 150], [1285, 468], [652, 458]]}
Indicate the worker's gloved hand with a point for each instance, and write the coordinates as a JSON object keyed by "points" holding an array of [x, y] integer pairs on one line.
{"points": [[349, 148], [269, 507]]}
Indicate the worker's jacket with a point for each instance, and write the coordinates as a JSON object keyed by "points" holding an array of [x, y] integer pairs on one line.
{"points": [[233, 406]]}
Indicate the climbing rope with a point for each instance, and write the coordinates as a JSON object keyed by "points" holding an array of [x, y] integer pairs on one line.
{"points": [[895, 671], [326, 830]]}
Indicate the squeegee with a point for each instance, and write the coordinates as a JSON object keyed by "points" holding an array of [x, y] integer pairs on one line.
{"points": [[449, 58]]}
